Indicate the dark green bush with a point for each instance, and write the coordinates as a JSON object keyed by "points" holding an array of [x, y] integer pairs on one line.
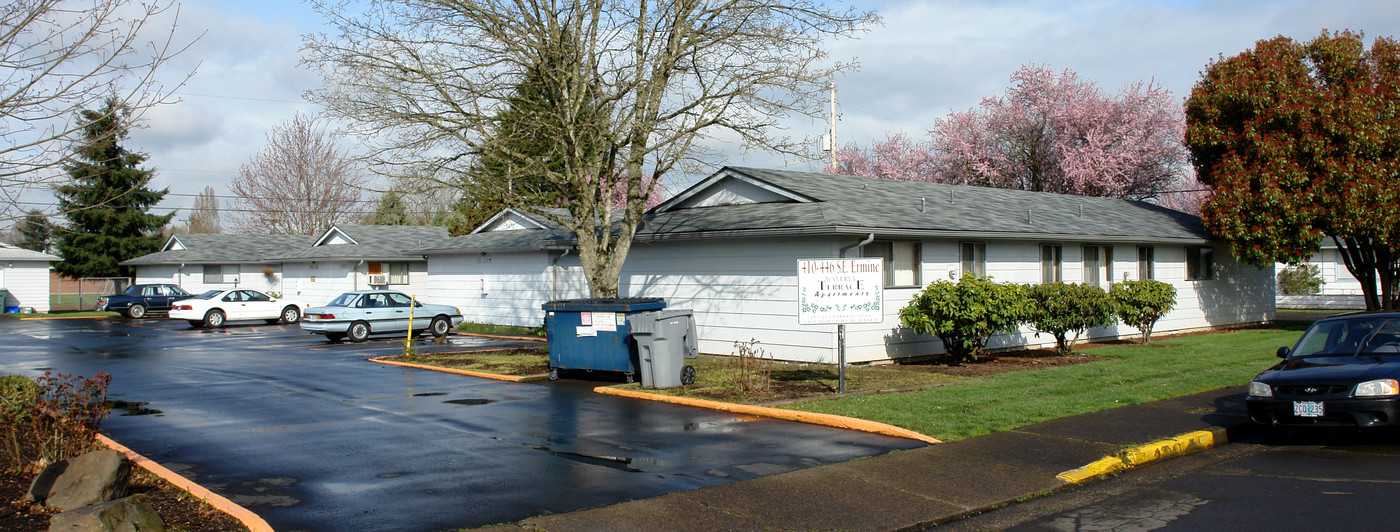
{"points": [[1141, 303], [964, 315], [1300, 279], [1060, 308]]}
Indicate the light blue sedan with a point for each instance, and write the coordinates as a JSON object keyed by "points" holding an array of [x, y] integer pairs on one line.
{"points": [[359, 314]]}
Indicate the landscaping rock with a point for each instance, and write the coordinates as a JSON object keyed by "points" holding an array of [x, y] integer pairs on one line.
{"points": [[92, 478], [41, 486], [121, 515]]}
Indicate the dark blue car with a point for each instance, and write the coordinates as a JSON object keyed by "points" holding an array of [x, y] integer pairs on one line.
{"points": [[1344, 373], [138, 299]]}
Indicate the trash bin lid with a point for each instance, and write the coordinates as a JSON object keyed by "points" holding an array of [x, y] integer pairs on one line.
{"points": [[608, 304]]}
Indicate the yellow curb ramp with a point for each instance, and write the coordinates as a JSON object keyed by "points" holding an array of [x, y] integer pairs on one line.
{"points": [[1180, 445], [248, 518], [814, 418], [467, 372]]}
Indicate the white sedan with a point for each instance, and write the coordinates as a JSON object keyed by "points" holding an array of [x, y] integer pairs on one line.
{"points": [[215, 307]]}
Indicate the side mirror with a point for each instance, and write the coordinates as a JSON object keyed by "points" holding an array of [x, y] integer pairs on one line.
{"points": [[1283, 352]]}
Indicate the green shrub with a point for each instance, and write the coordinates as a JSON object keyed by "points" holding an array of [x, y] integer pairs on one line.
{"points": [[1141, 303], [964, 315], [18, 395], [1060, 308], [1300, 279]]}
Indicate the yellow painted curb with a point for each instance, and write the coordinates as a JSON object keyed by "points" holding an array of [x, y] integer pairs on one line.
{"points": [[467, 372], [1180, 445], [248, 518], [814, 418]]}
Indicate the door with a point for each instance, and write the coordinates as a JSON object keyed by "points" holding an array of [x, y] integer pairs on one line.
{"points": [[379, 312]]}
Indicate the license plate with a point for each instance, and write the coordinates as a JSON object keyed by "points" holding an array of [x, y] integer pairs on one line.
{"points": [[1307, 408]]}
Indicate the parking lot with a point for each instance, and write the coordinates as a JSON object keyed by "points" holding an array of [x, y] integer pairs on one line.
{"points": [[311, 435]]}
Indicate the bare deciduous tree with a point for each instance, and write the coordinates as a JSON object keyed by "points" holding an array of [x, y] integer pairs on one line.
{"points": [[204, 216], [58, 59], [631, 87], [300, 183]]}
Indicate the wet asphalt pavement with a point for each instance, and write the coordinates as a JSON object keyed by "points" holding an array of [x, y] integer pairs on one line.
{"points": [[312, 436]]}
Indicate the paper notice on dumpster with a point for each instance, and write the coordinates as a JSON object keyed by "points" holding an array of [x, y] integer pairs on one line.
{"points": [[605, 321], [585, 319], [585, 330]]}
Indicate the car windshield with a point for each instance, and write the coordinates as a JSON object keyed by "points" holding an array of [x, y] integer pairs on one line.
{"points": [[345, 300], [1361, 335], [209, 295]]}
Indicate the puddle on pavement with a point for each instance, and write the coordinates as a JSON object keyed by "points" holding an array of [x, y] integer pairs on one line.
{"points": [[428, 394], [622, 463], [726, 425], [133, 408], [262, 493], [468, 402]]}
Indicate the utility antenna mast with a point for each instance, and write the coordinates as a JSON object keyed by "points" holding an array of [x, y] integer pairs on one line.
{"points": [[831, 136]]}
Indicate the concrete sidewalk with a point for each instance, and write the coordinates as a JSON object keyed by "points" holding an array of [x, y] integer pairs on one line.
{"points": [[926, 486]]}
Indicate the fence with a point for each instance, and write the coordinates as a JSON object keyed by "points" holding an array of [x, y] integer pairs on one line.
{"points": [[82, 294]]}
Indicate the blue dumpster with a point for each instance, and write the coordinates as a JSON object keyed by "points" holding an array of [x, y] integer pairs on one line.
{"points": [[593, 334]]}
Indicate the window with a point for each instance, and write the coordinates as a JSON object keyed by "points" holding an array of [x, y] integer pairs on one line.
{"points": [[902, 261], [216, 274], [398, 273], [1052, 268], [1146, 256], [974, 258], [1098, 265], [1200, 263]]}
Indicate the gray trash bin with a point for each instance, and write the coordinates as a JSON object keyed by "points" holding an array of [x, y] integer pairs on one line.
{"points": [[665, 338]]}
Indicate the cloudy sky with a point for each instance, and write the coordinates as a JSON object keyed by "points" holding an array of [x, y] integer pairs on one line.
{"points": [[929, 57]]}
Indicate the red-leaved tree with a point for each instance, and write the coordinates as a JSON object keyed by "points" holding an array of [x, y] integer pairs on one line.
{"points": [[1300, 142], [1050, 132]]}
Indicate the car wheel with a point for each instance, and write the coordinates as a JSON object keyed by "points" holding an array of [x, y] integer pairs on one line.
{"points": [[440, 327], [291, 314], [136, 311], [335, 337], [359, 331], [196, 323], [214, 318]]}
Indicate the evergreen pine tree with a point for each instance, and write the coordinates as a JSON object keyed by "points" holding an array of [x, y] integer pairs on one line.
{"points": [[35, 232], [391, 210], [107, 201]]}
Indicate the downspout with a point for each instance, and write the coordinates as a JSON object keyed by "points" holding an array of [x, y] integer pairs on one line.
{"points": [[554, 275], [357, 274], [857, 245], [841, 328], [180, 276]]}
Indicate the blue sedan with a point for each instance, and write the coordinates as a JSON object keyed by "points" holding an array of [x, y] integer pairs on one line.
{"points": [[357, 315]]}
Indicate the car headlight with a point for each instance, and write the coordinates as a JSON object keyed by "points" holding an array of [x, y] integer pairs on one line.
{"points": [[1259, 389], [1378, 388]]}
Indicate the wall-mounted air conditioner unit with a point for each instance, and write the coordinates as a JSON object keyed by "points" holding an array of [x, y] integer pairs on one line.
{"points": [[379, 279]]}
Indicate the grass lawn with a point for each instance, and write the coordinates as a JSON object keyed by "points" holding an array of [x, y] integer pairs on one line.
{"points": [[1125, 375], [717, 378], [487, 328], [533, 361]]}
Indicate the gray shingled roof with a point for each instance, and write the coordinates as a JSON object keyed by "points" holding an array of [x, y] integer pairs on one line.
{"points": [[11, 252], [850, 205], [205, 248], [375, 242]]}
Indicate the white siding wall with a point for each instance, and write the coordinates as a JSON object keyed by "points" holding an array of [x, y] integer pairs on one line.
{"points": [[27, 283], [503, 288], [190, 277], [746, 289], [319, 282], [740, 290]]}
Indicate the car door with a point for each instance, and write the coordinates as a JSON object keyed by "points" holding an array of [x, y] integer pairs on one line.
{"points": [[379, 312], [403, 308], [259, 306]]}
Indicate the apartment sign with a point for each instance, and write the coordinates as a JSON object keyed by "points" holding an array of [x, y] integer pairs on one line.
{"points": [[836, 291]]}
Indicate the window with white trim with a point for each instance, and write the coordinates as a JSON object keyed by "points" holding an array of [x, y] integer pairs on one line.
{"points": [[1098, 265], [1052, 267], [219, 274], [1200, 263], [902, 260], [1147, 255], [974, 257]]}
